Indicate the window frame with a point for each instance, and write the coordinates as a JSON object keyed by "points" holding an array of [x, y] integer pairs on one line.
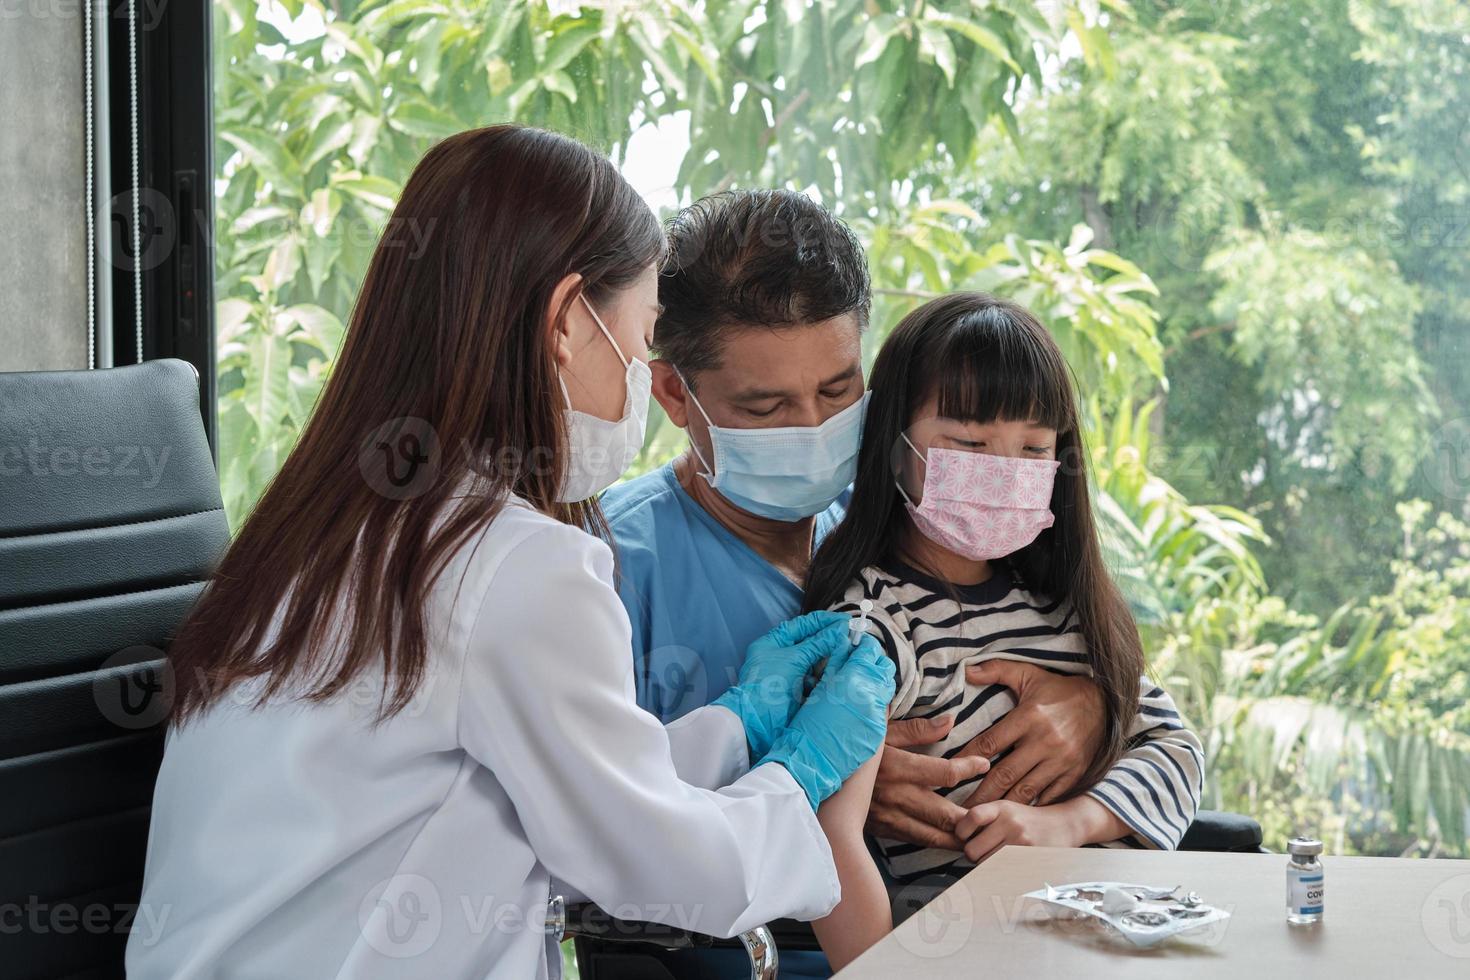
{"points": [[164, 53]]}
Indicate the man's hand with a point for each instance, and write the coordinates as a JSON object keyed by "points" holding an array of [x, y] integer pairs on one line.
{"points": [[1081, 820], [1053, 732], [905, 805]]}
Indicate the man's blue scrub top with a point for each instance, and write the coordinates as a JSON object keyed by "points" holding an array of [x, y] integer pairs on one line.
{"points": [[697, 596]]}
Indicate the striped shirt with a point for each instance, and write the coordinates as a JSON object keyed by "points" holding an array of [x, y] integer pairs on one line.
{"points": [[1154, 788]]}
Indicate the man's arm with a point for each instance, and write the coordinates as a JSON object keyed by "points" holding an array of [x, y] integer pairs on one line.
{"points": [[1051, 736], [1148, 799], [905, 803]]}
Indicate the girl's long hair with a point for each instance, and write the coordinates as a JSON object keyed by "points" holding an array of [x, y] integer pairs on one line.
{"points": [[989, 359], [447, 361]]}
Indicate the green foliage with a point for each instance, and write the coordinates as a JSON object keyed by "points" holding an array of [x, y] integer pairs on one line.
{"points": [[1338, 415], [1357, 722], [317, 135], [1283, 172], [1428, 609], [1169, 556], [1226, 212]]}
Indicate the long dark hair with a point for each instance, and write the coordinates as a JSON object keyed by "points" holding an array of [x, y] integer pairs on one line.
{"points": [[989, 359], [450, 333]]}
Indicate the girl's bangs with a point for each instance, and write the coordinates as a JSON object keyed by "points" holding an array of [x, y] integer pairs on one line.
{"points": [[990, 367]]}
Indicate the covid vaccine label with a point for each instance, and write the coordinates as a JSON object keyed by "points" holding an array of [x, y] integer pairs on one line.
{"points": [[1304, 892]]}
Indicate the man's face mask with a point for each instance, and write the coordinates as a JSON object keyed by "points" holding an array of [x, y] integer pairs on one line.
{"points": [[785, 473]]}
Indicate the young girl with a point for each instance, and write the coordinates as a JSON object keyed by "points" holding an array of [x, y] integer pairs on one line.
{"points": [[971, 532]]}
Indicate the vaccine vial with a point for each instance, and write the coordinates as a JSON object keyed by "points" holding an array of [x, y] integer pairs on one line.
{"points": [[1304, 885]]}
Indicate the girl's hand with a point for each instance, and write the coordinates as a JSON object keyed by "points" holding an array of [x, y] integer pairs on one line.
{"points": [[1082, 820], [988, 827]]}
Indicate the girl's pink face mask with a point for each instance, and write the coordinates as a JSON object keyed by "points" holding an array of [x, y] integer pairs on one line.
{"points": [[982, 506]]}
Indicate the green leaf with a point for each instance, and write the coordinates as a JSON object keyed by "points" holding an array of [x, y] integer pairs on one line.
{"points": [[398, 12], [1081, 238], [303, 390], [662, 68], [892, 82], [704, 58], [561, 83], [327, 137], [1097, 50], [321, 211], [418, 118], [268, 155], [356, 42], [321, 327], [935, 43], [253, 218], [266, 381], [875, 38], [365, 130], [983, 37], [1008, 123], [428, 52], [566, 44], [232, 318], [498, 75], [1111, 260], [322, 255], [377, 192], [280, 265]]}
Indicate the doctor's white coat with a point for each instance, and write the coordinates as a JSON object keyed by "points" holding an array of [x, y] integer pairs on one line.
{"points": [[297, 840]]}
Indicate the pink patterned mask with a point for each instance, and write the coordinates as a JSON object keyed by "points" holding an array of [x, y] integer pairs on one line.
{"points": [[982, 506]]}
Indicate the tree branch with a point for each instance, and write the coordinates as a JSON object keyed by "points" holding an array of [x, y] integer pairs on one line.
{"points": [[1098, 217], [1197, 333]]}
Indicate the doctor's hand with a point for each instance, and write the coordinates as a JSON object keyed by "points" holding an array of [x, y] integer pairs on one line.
{"points": [[905, 805], [841, 725], [1052, 734], [770, 685]]}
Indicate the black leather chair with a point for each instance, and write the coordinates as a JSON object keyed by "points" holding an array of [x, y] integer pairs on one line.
{"points": [[110, 521]]}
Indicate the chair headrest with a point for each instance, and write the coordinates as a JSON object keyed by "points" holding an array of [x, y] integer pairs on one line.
{"points": [[82, 449]]}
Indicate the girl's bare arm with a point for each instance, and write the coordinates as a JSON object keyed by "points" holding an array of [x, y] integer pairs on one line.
{"points": [[863, 916]]}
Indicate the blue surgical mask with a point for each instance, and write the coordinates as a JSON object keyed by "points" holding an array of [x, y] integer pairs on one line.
{"points": [[787, 473]]}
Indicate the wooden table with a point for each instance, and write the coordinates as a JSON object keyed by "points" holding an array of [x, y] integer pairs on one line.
{"points": [[1403, 919]]}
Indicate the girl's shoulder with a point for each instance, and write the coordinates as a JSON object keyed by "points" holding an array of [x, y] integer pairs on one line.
{"points": [[870, 583], [888, 620], [888, 589]]}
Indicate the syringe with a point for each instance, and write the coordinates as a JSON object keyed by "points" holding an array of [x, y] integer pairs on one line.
{"points": [[858, 625]]}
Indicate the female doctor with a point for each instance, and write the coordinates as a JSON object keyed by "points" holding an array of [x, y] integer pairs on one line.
{"points": [[404, 717]]}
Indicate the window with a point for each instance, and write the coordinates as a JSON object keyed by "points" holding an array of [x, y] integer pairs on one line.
{"points": [[1246, 221]]}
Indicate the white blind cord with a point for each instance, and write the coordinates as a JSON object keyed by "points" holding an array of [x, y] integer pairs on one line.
{"points": [[137, 191], [91, 219]]}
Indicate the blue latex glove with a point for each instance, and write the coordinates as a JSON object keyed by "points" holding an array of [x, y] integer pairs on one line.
{"points": [[842, 724], [769, 689]]}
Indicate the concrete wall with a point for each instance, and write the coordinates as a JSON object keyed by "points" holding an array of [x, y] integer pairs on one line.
{"points": [[43, 257]]}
